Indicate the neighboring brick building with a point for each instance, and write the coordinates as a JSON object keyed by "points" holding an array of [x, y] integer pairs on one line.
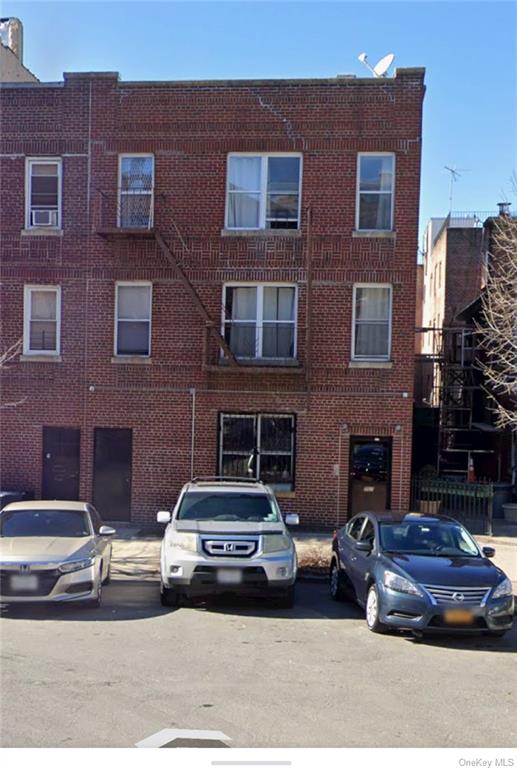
{"points": [[12, 69], [126, 254]]}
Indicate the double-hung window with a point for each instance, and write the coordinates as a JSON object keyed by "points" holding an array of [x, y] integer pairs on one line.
{"points": [[263, 192], [375, 187], [133, 319], [372, 322], [43, 186], [259, 446], [260, 321], [42, 320], [136, 191]]}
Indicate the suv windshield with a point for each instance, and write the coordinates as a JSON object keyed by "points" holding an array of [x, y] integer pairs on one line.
{"points": [[234, 507], [434, 538], [44, 522]]}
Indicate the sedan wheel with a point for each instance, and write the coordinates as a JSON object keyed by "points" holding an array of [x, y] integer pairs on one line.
{"points": [[373, 610], [336, 583]]}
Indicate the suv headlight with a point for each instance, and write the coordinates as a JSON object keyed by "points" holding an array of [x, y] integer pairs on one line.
{"points": [[76, 565], [185, 541], [400, 584], [503, 589], [275, 543]]}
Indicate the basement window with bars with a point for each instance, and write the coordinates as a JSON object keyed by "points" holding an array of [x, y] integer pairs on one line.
{"points": [[260, 321], [263, 191], [258, 446], [136, 191], [375, 187], [133, 319], [372, 322], [43, 193], [42, 320]]}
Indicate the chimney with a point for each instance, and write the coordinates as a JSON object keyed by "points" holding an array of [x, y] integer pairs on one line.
{"points": [[11, 31], [504, 209]]}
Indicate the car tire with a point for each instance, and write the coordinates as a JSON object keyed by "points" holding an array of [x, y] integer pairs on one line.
{"points": [[372, 611], [287, 599], [169, 597], [107, 578], [497, 633], [95, 602], [337, 591]]}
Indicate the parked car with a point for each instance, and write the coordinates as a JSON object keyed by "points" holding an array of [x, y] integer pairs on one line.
{"points": [[227, 536], [420, 573], [53, 551]]}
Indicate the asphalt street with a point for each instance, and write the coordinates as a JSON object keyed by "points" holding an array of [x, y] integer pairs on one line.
{"points": [[264, 676]]}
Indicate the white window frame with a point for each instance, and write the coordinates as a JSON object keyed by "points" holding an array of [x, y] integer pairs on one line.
{"points": [[374, 192], [125, 284], [27, 294], [257, 427], [263, 190], [259, 324], [135, 191], [29, 162], [372, 358]]}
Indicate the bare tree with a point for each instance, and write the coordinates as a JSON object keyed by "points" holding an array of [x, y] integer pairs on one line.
{"points": [[5, 358], [497, 329]]}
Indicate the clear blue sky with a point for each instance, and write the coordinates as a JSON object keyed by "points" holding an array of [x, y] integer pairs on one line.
{"points": [[468, 49]]}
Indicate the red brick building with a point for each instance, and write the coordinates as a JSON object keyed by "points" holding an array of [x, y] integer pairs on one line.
{"points": [[210, 278]]}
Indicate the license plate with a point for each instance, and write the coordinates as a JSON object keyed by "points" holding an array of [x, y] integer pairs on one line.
{"points": [[229, 576], [458, 616], [27, 583]]}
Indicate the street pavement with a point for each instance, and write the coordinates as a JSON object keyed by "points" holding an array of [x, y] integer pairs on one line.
{"points": [[264, 676]]}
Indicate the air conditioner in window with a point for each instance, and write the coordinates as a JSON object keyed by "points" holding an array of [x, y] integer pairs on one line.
{"points": [[44, 218]]}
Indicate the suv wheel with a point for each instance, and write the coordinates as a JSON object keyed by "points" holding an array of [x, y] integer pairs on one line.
{"points": [[169, 597], [373, 610], [287, 599], [336, 582]]}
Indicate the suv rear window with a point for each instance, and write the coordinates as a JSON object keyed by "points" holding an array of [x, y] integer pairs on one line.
{"points": [[231, 507]]}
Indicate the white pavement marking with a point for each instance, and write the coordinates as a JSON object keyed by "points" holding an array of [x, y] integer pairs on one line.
{"points": [[168, 735]]}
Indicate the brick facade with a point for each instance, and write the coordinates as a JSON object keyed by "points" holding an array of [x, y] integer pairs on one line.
{"points": [[171, 401]]}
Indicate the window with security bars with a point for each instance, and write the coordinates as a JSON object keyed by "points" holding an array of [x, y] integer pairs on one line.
{"points": [[372, 322], [375, 184], [260, 321], [42, 319], [43, 193], [136, 191], [258, 446], [133, 319], [263, 192]]}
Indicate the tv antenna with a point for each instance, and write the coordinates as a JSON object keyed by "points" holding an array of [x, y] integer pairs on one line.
{"points": [[456, 174], [382, 66]]}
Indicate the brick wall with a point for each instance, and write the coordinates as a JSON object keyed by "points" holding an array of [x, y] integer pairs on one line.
{"points": [[190, 128]]}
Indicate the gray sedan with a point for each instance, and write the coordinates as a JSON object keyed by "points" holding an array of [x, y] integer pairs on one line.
{"points": [[53, 551]]}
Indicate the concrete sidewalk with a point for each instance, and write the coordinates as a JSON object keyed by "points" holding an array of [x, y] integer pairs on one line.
{"points": [[136, 552]]}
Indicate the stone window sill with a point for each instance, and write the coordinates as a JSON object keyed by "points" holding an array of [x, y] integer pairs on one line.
{"points": [[388, 234], [262, 362], [132, 360], [40, 359], [261, 233], [384, 364], [42, 232]]}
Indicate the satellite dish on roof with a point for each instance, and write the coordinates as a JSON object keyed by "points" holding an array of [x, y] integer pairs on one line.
{"points": [[382, 66]]}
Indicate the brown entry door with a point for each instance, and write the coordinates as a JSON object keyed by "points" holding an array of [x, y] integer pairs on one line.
{"points": [[370, 469], [61, 450], [112, 473]]}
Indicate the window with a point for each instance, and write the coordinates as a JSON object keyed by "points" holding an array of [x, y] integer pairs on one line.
{"points": [[372, 322], [43, 193], [368, 533], [136, 191], [355, 526], [263, 192], [42, 320], [259, 446], [133, 319], [375, 191], [260, 320]]}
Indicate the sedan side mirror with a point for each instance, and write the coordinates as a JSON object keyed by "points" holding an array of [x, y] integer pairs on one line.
{"points": [[364, 546], [488, 551], [292, 519], [106, 530], [163, 517]]}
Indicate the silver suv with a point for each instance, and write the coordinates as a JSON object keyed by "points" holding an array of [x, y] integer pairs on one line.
{"points": [[227, 535]]}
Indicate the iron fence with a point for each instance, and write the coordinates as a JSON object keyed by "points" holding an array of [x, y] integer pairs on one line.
{"points": [[470, 503]]}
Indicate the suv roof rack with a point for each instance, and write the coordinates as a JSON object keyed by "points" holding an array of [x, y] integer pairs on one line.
{"points": [[225, 478]]}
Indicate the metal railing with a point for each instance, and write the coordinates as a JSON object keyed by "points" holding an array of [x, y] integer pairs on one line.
{"points": [[470, 503]]}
